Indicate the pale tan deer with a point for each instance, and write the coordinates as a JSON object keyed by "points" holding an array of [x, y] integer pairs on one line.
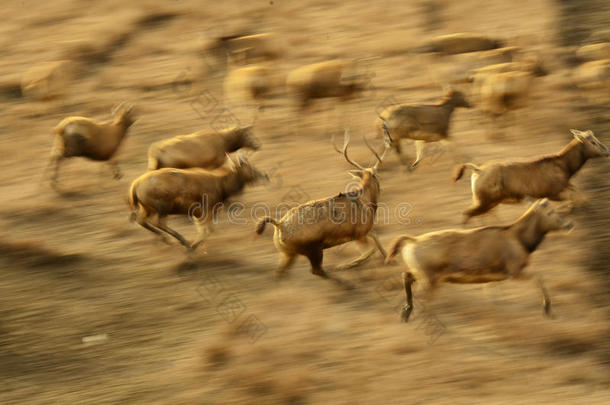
{"points": [[480, 255]]}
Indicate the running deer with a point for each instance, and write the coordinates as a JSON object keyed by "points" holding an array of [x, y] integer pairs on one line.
{"points": [[84, 137], [195, 192], [422, 123], [206, 149], [311, 227], [480, 255], [547, 176]]}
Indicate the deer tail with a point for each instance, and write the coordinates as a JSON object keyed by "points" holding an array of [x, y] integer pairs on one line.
{"points": [[260, 225], [397, 245], [459, 171]]}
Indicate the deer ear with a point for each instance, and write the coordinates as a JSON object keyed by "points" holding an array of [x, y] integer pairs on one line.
{"points": [[578, 134], [240, 158], [357, 174], [231, 162]]}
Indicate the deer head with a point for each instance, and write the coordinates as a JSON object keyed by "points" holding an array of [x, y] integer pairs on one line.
{"points": [[366, 175]]}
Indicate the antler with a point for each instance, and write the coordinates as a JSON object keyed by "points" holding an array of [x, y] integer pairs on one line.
{"points": [[117, 107], [386, 146], [344, 152], [387, 140]]}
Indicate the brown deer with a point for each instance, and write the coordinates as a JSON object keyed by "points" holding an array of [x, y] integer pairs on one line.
{"points": [[546, 176], [195, 192], [332, 78], [206, 149], [251, 48], [422, 123], [311, 227], [461, 42], [84, 137], [480, 255]]}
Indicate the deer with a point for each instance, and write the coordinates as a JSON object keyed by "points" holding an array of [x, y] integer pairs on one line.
{"points": [[461, 42], [252, 48], [423, 123], [47, 81], [314, 226], [195, 192], [480, 255], [206, 149], [85, 137], [506, 86], [547, 176], [332, 78]]}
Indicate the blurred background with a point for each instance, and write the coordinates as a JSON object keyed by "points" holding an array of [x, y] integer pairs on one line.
{"points": [[94, 310]]}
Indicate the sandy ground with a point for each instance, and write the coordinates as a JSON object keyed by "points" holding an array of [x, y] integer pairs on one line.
{"points": [[218, 329]]}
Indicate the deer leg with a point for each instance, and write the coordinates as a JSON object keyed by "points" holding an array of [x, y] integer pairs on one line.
{"points": [[546, 301], [360, 259], [116, 171], [55, 158], [373, 237], [407, 279], [315, 256], [163, 226], [398, 149], [203, 231], [286, 262], [478, 208], [142, 220], [419, 153], [55, 162]]}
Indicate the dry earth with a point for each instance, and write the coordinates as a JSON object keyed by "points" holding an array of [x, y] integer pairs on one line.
{"points": [[73, 266]]}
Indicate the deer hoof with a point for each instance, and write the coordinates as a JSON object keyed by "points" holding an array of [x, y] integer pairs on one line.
{"points": [[405, 313], [194, 247], [320, 273]]}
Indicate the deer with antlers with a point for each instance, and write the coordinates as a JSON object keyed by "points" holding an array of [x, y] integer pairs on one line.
{"points": [[311, 227]]}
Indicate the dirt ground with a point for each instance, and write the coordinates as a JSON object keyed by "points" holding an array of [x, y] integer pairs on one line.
{"points": [[95, 310]]}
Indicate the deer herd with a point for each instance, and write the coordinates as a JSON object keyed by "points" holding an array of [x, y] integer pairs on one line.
{"points": [[192, 175]]}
